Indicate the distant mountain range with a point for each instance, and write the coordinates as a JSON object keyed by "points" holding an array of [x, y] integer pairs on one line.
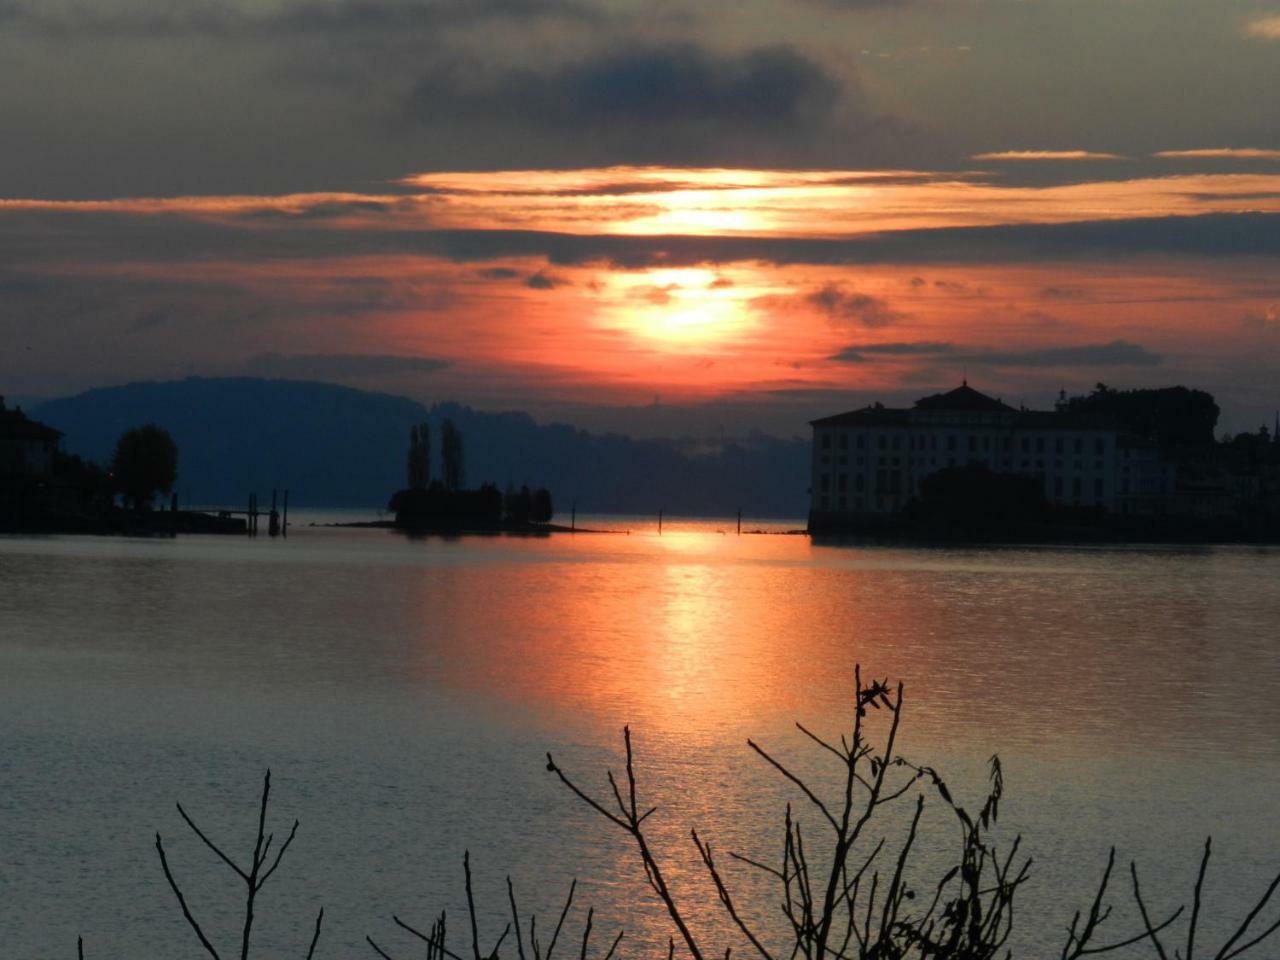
{"points": [[335, 446]]}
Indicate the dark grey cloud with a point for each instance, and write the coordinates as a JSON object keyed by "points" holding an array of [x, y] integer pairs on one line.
{"points": [[343, 20], [545, 281], [1062, 293], [499, 273], [1116, 353], [848, 306], [858, 352], [61, 236], [673, 102], [338, 366]]}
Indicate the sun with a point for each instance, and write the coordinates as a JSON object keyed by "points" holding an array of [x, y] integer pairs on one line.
{"points": [[678, 308]]}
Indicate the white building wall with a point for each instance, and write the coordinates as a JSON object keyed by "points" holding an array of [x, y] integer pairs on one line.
{"points": [[877, 469]]}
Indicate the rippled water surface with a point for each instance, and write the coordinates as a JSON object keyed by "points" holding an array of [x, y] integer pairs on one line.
{"points": [[404, 694]]}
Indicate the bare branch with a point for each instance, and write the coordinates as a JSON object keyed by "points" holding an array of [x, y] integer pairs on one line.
{"points": [[279, 856], [704, 849], [182, 901], [315, 937], [586, 932], [563, 913], [210, 844], [1142, 908], [804, 787], [515, 918], [471, 905]]}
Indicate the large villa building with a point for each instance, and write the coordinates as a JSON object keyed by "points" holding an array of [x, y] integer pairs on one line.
{"points": [[872, 461]]}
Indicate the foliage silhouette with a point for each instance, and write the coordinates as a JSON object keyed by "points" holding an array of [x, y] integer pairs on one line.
{"points": [[845, 899], [145, 463]]}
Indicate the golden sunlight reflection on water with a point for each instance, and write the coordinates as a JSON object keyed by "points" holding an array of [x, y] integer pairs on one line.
{"points": [[405, 691]]}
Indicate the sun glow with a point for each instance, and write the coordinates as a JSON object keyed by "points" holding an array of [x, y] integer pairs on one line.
{"points": [[678, 308]]}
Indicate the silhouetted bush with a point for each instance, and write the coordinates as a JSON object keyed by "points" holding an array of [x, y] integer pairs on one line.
{"points": [[841, 893]]}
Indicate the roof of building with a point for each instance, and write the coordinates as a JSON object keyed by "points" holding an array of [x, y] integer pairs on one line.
{"points": [[963, 397], [16, 425], [874, 415]]}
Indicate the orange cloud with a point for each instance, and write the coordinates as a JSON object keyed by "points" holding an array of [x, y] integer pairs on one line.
{"points": [[1046, 155], [1264, 28], [1222, 153]]}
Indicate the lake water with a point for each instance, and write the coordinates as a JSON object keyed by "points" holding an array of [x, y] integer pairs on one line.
{"points": [[404, 694]]}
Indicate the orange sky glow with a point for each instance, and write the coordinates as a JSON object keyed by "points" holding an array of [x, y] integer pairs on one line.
{"points": [[464, 269]]}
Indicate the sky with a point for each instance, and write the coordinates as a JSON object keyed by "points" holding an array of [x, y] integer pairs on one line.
{"points": [[660, 218]]}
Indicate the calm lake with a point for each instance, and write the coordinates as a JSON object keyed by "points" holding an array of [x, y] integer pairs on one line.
{"points": [[405, 693]]}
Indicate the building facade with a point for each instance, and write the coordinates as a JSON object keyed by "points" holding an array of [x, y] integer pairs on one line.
{"points": [[27, 448], [872, 461]]}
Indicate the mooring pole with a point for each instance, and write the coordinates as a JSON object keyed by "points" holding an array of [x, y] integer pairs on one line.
{"points": [[284, 529], [248, 517], [739, 521], [659, 523], [573, 516]]}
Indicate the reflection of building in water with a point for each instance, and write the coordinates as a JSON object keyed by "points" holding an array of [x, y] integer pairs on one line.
{"points": [[874, 459]]}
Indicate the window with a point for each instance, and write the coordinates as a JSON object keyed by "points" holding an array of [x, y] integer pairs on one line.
{"points": [[1039, 444], [1079, 445], [1076, 486], [1057, 486], [1026, 444], [862, 441], [1100, 446], [1057, 445], [897, 441], [973, 443], [986, 443], [826, 441], [842, 482], [880, 441], [844, 441], [951, 442], [1007, 444], [826, 482], [1097, 488], [859, 482]]}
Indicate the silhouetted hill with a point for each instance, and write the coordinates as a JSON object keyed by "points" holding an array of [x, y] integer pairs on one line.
{"points": [[335, 446]]}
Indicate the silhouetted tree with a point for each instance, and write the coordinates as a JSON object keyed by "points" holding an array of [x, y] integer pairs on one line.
{"points": [[1172, 416], [451, 456], [145, 463], [419, 456], [518, 505], [541, 510]]}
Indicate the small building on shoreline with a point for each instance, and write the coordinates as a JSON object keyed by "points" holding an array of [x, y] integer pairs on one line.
{"points": [[28, 448]]}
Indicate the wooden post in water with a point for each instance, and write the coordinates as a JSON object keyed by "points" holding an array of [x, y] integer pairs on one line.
{"points": [[739, 521], [284, 526], [273, 520], [659, 523], [248, 517], [573, 517]]}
